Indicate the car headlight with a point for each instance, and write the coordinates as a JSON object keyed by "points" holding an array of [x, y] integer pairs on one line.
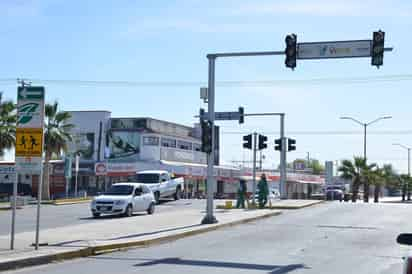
{"points": [[119, 202]]}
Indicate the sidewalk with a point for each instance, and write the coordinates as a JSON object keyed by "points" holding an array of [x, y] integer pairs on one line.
{"points": [[116, 233], [283, 204]]}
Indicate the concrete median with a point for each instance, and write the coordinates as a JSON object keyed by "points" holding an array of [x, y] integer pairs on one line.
{"points": [[88, 240]]}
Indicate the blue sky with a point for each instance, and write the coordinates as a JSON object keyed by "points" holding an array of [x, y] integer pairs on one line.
{"points": [[167, 41]]}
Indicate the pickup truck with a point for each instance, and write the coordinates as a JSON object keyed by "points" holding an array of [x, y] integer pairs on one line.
{"points": [[161, 183]]}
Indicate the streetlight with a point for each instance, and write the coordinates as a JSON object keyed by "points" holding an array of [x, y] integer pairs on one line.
{"points": [[409, 156], [409, 169], [365, 125]]}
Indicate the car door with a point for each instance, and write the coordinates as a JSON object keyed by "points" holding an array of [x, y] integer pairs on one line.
{"points": [[138, 199], [147, 197], [164, 185]]}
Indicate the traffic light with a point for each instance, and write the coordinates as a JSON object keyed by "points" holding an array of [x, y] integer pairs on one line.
{"points": [[291, 144], [241, 115], [291, 51], [262, 142], [378, 47], [247, 141], [206, 136], [278, 144]]}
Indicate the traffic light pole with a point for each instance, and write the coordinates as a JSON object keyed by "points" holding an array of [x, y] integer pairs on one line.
{"points": [[282, 184], [210, 218], [254, 167]]}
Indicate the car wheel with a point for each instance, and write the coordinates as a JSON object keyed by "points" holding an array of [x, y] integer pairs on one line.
{"points": [[151, 209], [96, 215], [157, 197], [178, 193], [129, 211]]}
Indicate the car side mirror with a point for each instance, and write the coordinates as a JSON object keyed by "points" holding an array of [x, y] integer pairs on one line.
{"points": [[404, 239], [138, 192], [164, 180]]}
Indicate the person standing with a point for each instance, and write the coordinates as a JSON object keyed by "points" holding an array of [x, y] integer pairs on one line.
{"points": [[263, 191], [241, 194]]}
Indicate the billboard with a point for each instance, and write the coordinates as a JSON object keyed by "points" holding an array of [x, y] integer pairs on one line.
{"points": [[123, 146], [83, 143]]}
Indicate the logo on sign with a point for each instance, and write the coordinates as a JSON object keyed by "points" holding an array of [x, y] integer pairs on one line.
{"points": [[27, 111], [100, 169]]}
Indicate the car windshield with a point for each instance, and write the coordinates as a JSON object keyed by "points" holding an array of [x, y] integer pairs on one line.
{"points": [[119, 190], [147, 178]]}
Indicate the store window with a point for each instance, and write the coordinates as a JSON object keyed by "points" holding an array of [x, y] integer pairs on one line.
{"points": [[184, 145], [167, 142], [151, 141], [197, 147]]}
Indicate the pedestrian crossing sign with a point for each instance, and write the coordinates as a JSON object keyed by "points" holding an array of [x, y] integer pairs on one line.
{"points": [[29, 142]]}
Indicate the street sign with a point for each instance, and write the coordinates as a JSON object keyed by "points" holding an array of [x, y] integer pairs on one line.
{"points": [[337, 49], [28, 165], [233, 115], [29, 142], [100, 169], [30, 107], [30, 93], [68, 167]]}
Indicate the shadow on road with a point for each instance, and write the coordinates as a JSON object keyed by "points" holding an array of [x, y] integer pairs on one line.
{"points": [[69, 243], [273, 269], [113, 216]]}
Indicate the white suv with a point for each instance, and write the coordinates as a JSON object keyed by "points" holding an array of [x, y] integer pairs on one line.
{"points": [[124, 198]]}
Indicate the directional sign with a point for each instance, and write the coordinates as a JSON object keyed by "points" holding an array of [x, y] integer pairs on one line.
{"points": [[30, 93], [29, 142], [223, 115], [337, 49]]}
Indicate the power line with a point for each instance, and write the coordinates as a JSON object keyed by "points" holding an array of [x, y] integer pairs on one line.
{"points": [[251, 83], [320, 132]]}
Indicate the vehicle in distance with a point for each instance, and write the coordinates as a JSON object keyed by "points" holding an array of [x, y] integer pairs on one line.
{"points": [[124, 198], [162, 183]]}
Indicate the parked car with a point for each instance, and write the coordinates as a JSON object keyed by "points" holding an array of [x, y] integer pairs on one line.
{"points": [[162, 183], [334, 194], [124, 198], [406, 239]]}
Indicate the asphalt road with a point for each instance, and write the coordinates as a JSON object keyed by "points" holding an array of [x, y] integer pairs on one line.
{"points": [[64, 215], [327, 238]]}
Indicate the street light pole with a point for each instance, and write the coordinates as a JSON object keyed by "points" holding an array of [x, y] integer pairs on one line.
{"points": [[409, 163], [365, 125]]}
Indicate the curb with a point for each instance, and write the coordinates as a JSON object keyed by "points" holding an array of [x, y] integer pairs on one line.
{"points": [[108, 248], [278, 207], [296, 207], [71, 202]]}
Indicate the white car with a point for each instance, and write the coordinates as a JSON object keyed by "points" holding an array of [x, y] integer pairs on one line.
{"points": [[406, 239], [124, 198]]}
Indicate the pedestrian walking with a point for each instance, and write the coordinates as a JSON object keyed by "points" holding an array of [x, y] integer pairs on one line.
{"points": [[241, 194], [263, 191]]}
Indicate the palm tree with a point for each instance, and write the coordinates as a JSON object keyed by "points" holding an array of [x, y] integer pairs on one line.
{"points": [[377, 178], [368, 173], [56, 137], [353, 171], [8, 119]]}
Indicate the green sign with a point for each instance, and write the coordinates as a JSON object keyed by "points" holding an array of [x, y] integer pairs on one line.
{"points": [[30, 93], [68, 167]]}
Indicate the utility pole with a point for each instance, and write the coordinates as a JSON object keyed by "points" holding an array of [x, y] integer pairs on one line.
{"points": [[282, 185], [254, 166]]}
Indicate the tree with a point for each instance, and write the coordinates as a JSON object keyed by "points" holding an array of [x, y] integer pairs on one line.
{"points": [[368, 172], [8, 120], [357, 171], [56, 137], [377, 178]]}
